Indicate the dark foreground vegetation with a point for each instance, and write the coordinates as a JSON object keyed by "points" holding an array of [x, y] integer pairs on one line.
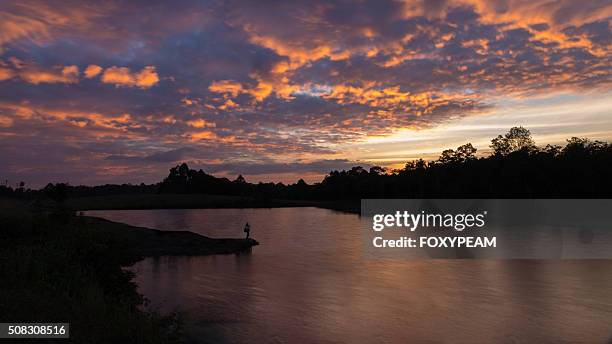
{"points": [[56, 266], [517, 168]]}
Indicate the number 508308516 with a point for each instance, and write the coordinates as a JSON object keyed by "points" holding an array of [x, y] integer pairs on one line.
{"points": [[34, 330]]}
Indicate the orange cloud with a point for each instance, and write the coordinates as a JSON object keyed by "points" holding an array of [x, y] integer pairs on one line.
{"points": [[6, 121], [92, 71], [15, 26], [298, 54], [200, 123], [376, 97], [203, 135], [555, 13], [226, 86], [147, 77], [262, 91], [121, 76], [74, 117], [229, 104], [6, 74], [259, 92], [39, 22], [37, 75]]}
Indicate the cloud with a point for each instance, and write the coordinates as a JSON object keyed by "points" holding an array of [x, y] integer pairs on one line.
{"points": [[320, 166], [121, 76], [229, 87], [260, 83], [5, 121], [92, 71], [200, 123], [6, 74], [37, 75], [14, 26], [169, 156]]}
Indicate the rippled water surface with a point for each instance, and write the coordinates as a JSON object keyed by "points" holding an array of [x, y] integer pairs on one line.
{"points": [[308, 282]]}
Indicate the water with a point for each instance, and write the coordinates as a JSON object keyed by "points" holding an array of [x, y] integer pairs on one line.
{"points": [[308, 282]]}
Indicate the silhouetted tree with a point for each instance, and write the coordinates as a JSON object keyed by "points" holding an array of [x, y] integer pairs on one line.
{"points": [[419, 164], [516, 139], [377, 170], [57, 192], [466, 152], [462, 154], [6, 191], [447, 157]]}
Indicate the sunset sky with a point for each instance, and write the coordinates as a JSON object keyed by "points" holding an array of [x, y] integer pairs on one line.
{"points": [[120, 91]]}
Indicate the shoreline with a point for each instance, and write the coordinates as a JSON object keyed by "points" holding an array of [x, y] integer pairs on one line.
{"points": [[199, 201], [147, 242]]}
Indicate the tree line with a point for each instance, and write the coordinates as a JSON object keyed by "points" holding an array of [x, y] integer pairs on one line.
{"points": [[517, 168]]}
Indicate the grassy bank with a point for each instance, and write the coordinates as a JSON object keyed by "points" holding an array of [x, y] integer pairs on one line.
{"points": [[57, 267]]}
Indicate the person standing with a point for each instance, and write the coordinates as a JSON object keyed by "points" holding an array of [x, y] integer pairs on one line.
{"points": [[247, 230]]}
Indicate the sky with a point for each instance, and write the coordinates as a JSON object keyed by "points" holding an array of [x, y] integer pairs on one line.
{"points": [[120, 91]]}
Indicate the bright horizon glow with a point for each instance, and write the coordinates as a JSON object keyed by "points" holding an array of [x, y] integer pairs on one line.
{"points": [[551, 120]]}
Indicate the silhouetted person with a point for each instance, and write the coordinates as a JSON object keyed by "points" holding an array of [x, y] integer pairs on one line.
{"points": [[247, 230]]}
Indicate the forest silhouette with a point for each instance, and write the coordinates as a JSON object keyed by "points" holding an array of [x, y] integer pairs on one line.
{"points": [[516, 168]]}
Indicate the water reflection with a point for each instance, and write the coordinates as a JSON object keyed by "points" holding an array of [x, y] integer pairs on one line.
{"points": [[309, 282]]}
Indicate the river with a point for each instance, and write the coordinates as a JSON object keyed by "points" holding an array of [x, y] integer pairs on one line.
{"points": [[308, 282]]}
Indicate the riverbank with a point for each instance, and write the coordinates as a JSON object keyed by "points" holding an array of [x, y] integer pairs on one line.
{"points": [[198, 201], [148, 242], [58, 267]]}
